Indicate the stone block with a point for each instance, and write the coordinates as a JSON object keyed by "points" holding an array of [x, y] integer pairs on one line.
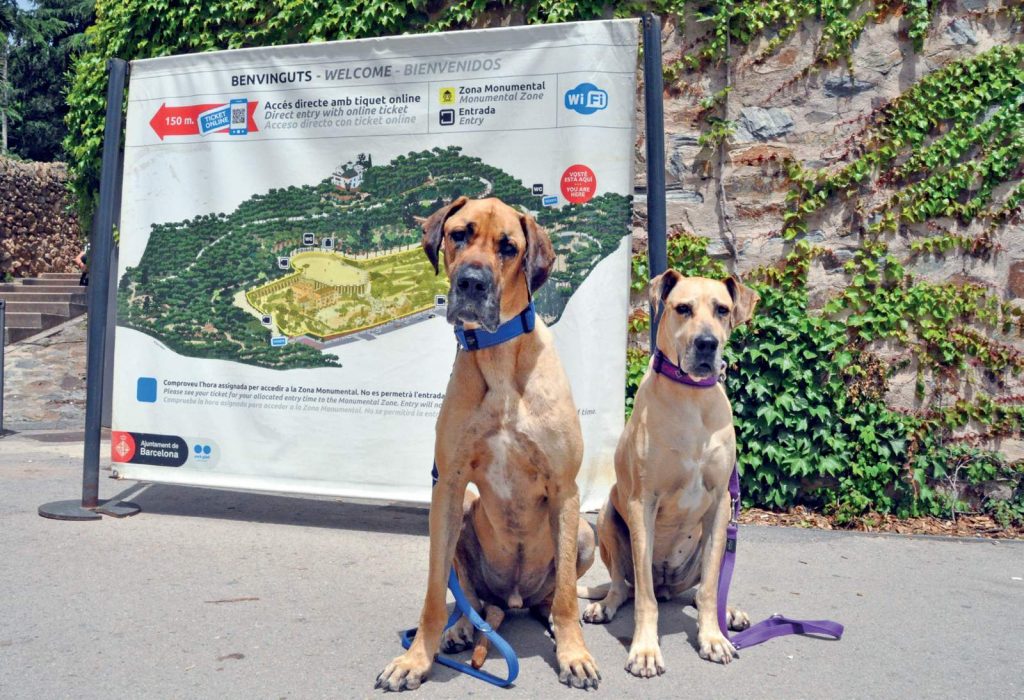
{"points": [[683, 152], [974, 5], [683, 196], [1015, 280], [758, 123], [960, 33]]}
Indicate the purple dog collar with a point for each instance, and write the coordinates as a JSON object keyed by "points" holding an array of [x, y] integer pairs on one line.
{"points": [[663, 366]]}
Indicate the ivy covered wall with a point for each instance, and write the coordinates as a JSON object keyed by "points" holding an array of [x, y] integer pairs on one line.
{"points": [[858, 161]]}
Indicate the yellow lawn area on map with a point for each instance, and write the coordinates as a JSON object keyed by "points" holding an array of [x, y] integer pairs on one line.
{"points": [[328, 268], [330, 295]]}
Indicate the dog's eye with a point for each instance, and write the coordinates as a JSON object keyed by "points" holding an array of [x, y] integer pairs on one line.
{"points": [[684, 310], [507, 248], [458, 236], [722, 311]]}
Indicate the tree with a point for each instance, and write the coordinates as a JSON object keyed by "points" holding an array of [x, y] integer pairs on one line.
{"points": [[43, 42], [8, 18]]}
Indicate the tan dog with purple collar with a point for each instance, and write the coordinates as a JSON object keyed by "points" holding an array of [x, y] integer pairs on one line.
{"points": [[663, 528], [508, 424]]}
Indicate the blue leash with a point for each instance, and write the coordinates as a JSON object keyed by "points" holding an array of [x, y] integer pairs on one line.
{"points": [[463, 607]]}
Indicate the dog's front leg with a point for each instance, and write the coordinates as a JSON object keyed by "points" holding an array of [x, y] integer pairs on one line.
{"points": [[576, 667], [644, 658], [711, 641], [408, 670]]}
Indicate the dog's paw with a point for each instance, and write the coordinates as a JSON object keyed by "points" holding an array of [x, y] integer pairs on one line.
{"points": [[578, 669], [458, 637], [738, 620], [598, 613], [405, 672], [715, 647], [645, 661]]}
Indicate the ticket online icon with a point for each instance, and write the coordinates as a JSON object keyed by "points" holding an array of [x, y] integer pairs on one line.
{"points": [[233, 116], [214, 119]]}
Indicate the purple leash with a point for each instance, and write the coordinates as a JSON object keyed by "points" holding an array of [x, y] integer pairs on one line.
{"points": [[774, 626]]}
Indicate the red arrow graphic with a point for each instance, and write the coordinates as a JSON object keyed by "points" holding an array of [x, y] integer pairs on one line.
{"points": [[184, 120]]}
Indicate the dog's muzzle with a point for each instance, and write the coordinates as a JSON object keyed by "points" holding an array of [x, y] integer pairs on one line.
{"points": [[704, 354], [473, 297]]}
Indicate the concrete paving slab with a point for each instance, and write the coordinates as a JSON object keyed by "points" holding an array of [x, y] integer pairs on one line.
{"points": [[216, 594]]}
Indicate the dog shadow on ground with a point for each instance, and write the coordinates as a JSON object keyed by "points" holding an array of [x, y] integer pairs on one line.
{"points": [[530, 638], [165, 499], [675, 617]]}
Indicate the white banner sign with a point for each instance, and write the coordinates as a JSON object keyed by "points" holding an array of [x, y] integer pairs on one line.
{"points": [[279, 327]]}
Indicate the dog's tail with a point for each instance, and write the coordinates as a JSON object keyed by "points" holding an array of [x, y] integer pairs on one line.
{"points": [[593, 592], [494, 617]]}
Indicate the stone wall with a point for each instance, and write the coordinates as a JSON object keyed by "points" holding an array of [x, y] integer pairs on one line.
{"points": [[778, 116], [737, 198], [38, 229]]}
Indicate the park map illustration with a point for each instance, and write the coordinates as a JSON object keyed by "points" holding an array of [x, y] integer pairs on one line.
{"points": [[296, 271]]}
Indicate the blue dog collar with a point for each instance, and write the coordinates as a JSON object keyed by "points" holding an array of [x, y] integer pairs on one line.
{"points": [[479, 338]]}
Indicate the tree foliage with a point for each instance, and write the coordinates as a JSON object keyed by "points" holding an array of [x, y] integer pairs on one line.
{"points": [[44, 41]]}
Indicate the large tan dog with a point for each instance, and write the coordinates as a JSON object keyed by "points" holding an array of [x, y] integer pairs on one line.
{"points": [[662, 530], [508, 424]]}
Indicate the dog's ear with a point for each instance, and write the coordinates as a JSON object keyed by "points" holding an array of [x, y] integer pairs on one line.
{"points": [[660, 287], [540, 254], [433, 229], [744, 300]]}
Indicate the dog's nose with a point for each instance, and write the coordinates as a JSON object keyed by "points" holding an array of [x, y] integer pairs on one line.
{"points": [[474, 281], [705, 344]]}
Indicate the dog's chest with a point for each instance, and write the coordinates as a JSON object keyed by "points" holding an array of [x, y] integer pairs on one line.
{"points": [[502, 472], [512, 468], [682, 507], [510, 461]]}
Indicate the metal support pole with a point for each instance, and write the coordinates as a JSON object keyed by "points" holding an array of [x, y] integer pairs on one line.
{"points": [[108, 365], [654, 110], [101, 248], [3, 339]]}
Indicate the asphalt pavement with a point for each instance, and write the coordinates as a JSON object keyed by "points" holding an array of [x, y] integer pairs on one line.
{"points": [[218, 594]]}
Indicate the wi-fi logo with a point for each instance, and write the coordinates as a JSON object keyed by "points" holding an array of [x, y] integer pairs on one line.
{"points": [[586, 98]]}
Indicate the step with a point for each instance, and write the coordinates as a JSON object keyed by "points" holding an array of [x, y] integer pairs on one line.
{"points": [[49, 281], [69, 297], [38, 321], [60, 275], [14, 335], [65, 308], [42, 289], [21, 325]]}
